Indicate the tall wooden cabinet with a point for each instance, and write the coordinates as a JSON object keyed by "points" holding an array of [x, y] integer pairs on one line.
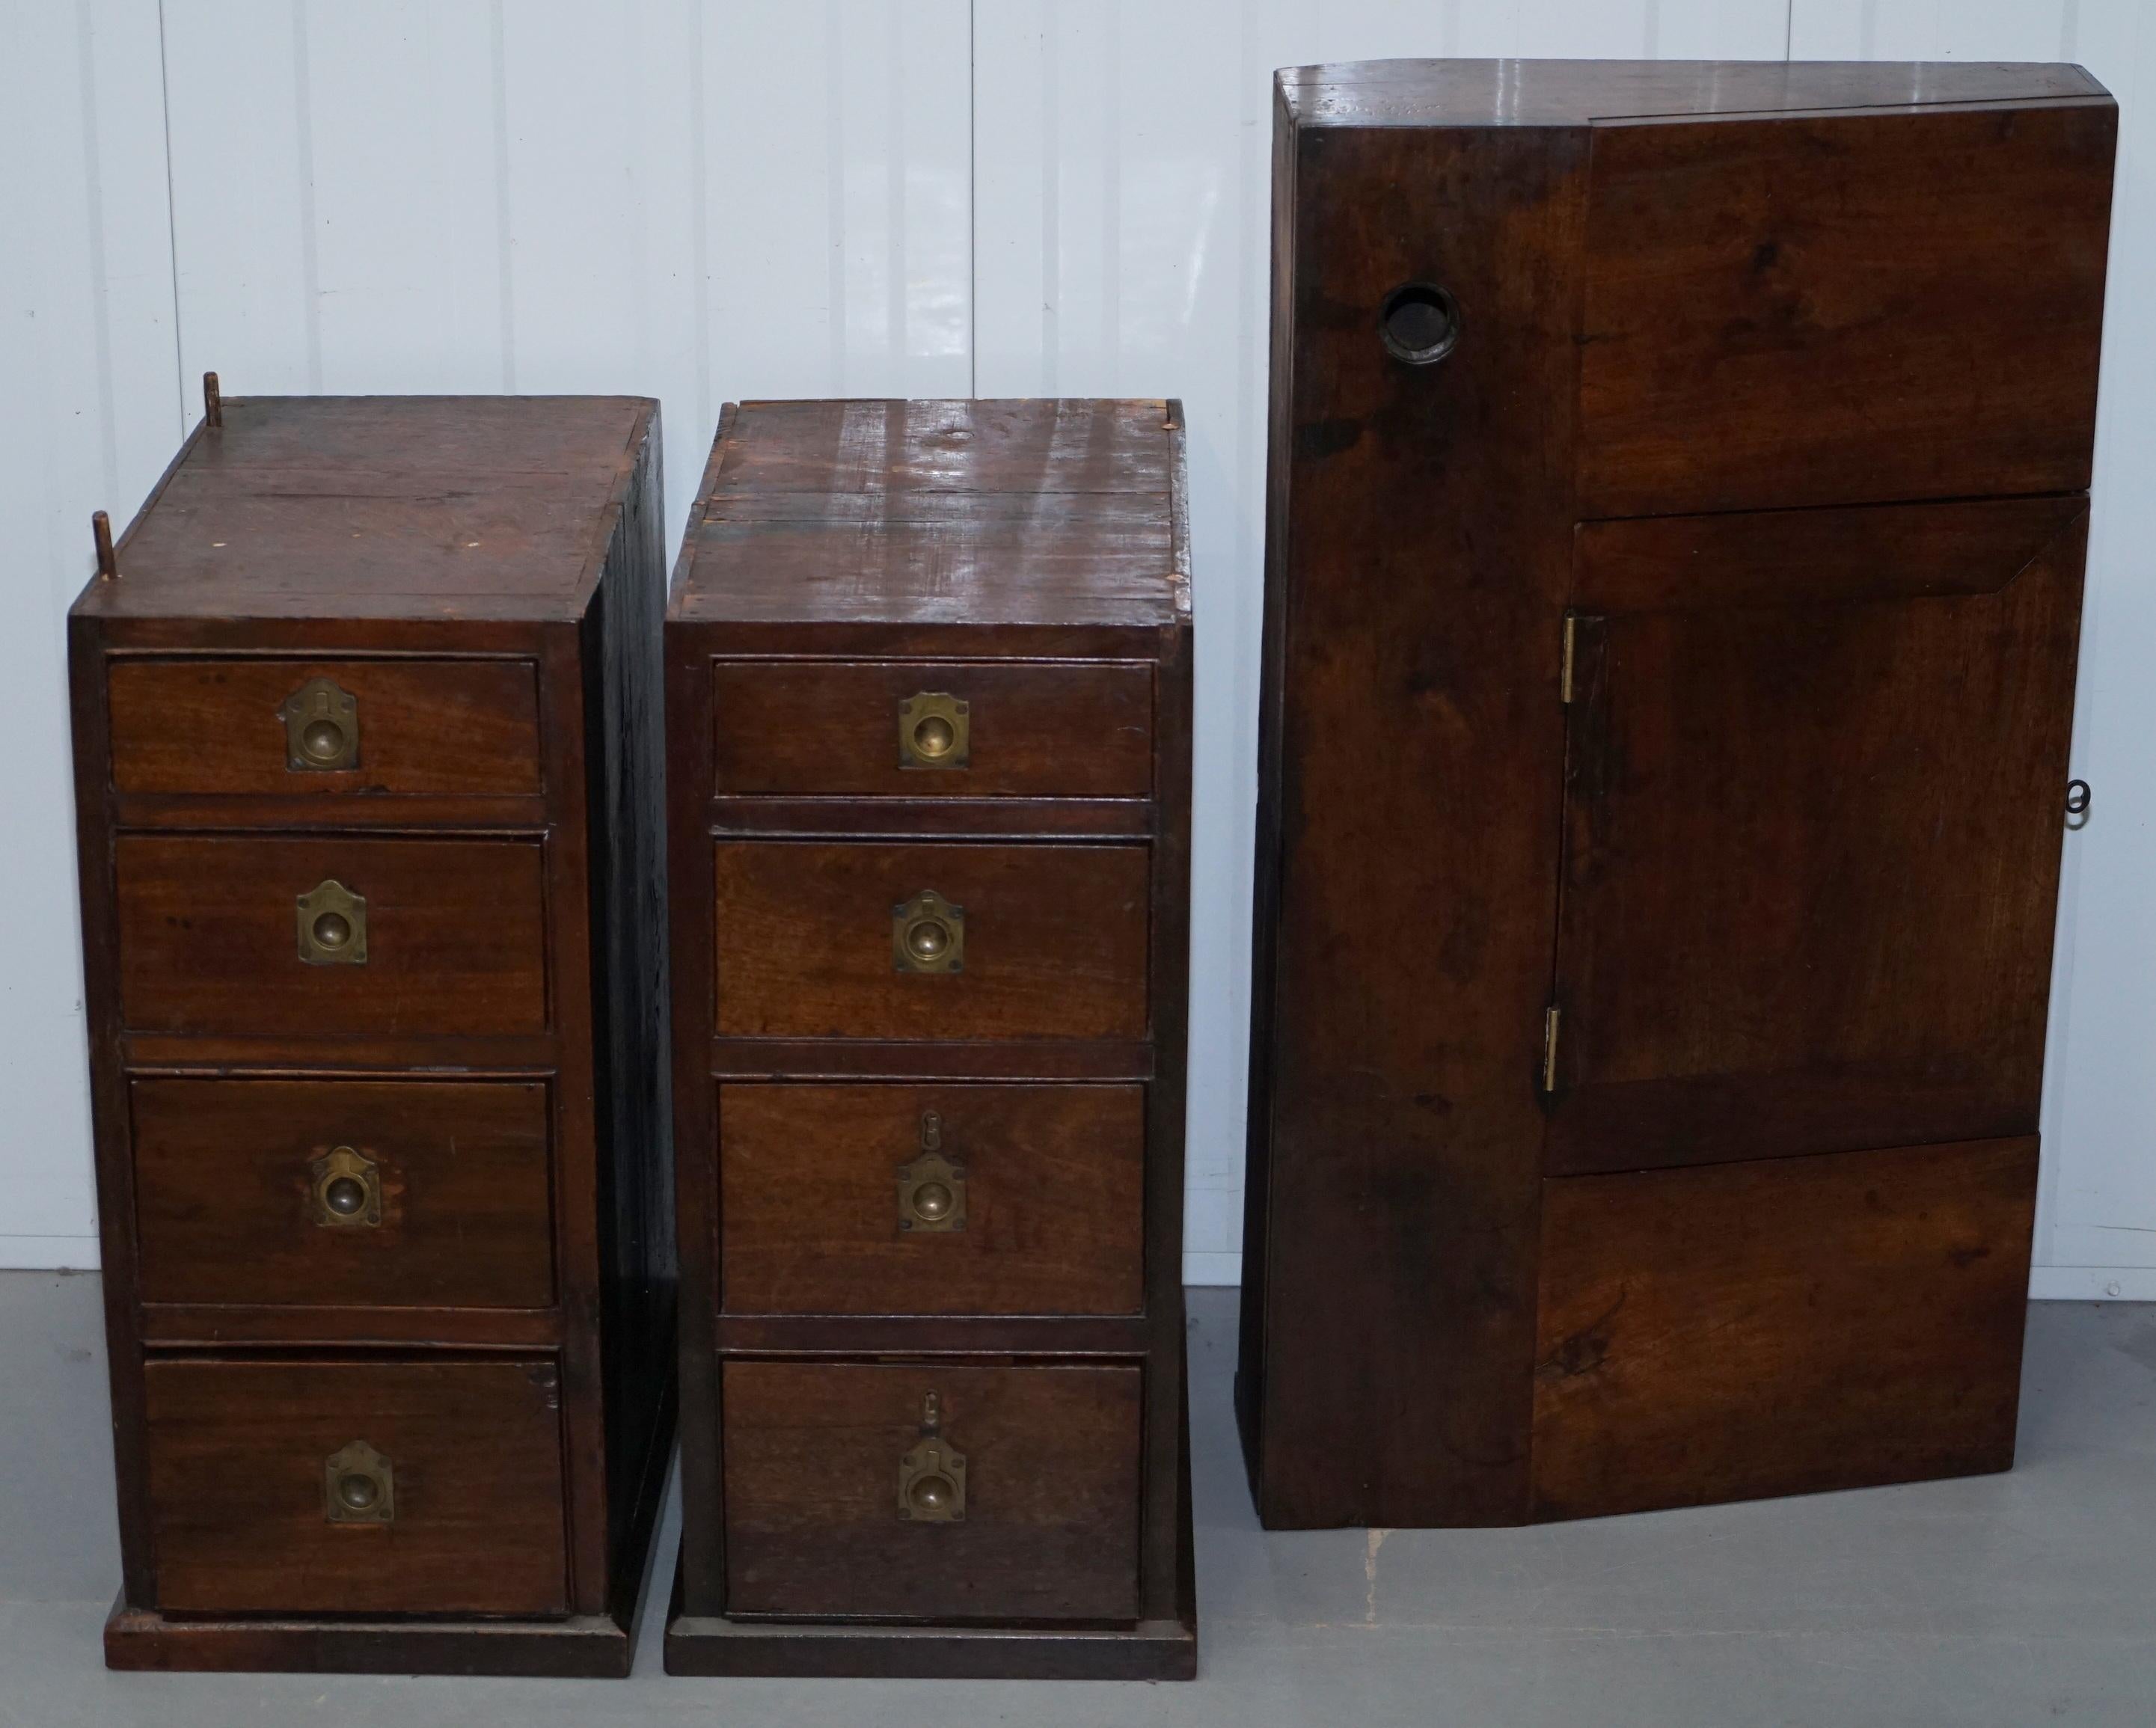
{"points": [[1674, 567], [367, 778], [928, 689]]}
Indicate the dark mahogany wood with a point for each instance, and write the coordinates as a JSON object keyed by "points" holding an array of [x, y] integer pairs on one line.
{"points": [[1782, 1326], [1758, 397], [485, 576], [1055, 940], [825, 727], [224, 1181], [1029, 559], [427, 728], [237, 1451], [1834, 309], [812, 1473], [1898, 759], [1055, 1205], [456, 935]]}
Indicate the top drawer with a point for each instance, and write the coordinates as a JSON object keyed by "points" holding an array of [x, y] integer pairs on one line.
{"points": [[416, 727], [933, 728]]}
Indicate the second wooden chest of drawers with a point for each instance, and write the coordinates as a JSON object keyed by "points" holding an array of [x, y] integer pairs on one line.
{"points": [[367, 759], [928, 687]]}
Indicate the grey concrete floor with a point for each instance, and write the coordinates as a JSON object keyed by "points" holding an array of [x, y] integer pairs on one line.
{"points": [[2016, 1600]]}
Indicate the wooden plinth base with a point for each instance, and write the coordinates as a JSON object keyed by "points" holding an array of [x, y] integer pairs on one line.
{"points": [[596, 1647], [1150, 1650]]}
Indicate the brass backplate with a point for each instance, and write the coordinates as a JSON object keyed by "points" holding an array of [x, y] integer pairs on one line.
{"points": [[358, 1486], [928, 934], [931, 1194], [347, 1191], [932, 1482], [321, 727], [935, 730], [333, 925]]}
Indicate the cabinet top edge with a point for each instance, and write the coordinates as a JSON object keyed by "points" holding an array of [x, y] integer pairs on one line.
{"points": [[1473, 94], [324, 508], [1033, 510]]}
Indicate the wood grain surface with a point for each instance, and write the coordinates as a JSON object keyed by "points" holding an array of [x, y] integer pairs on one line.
{"points": [[1050, 1529], [223, 1181], [237, 1451], [427, 727], [456, 937], [1055, 940], [1812, 860], [1781, 1326], [1055, 1206], [1045, 728], [1839, 309]]}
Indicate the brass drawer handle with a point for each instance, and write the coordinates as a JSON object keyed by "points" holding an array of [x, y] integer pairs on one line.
{"points": [[358, 1486], [932, 1190], [333, 925], [321, 727], [347, 1189], [935, 730], [931, 1476], [928, 934]]}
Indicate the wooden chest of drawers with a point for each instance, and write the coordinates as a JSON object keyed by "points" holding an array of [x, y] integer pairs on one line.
{"points": [[368, 769], [928, 689], [1678, 499]]}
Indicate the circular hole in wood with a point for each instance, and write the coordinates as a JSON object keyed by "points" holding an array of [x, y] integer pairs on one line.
{"points": [[1419, 323]]}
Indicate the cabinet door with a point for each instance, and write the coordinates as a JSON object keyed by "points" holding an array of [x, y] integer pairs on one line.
{"points": [[1815, 781]]}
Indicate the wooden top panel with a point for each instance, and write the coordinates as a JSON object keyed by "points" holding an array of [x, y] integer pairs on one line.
{"points": [[1020, 512], [382, 506], [1558, 93]]}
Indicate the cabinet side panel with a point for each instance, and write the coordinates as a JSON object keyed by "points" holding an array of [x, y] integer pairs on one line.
{"points": [[109, 1128], [1427, 544], [1264, 872], [624, 762]]}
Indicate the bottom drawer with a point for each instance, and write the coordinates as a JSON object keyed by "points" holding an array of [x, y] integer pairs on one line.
{"points": [[356, 1488], [1016, 1499]]}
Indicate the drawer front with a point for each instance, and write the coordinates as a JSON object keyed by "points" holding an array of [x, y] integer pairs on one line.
{"points": [[1048, 941], [817, 1454], [450, 939], [1817, 308], [928, 729], [944, 1199], [253, 1465], [307, 1193], [348, 727]]}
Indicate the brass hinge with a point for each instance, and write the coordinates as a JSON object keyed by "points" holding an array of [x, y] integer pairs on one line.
{"points": [[1564, 675], [1549, 1049]]}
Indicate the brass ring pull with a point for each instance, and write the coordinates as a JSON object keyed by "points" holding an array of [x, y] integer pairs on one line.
{"points": [[927, 935], [932, 1190], [358, 1486], [333, 925], [935, 730], [346, 1190], [321, 727], [931, 1476]]}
